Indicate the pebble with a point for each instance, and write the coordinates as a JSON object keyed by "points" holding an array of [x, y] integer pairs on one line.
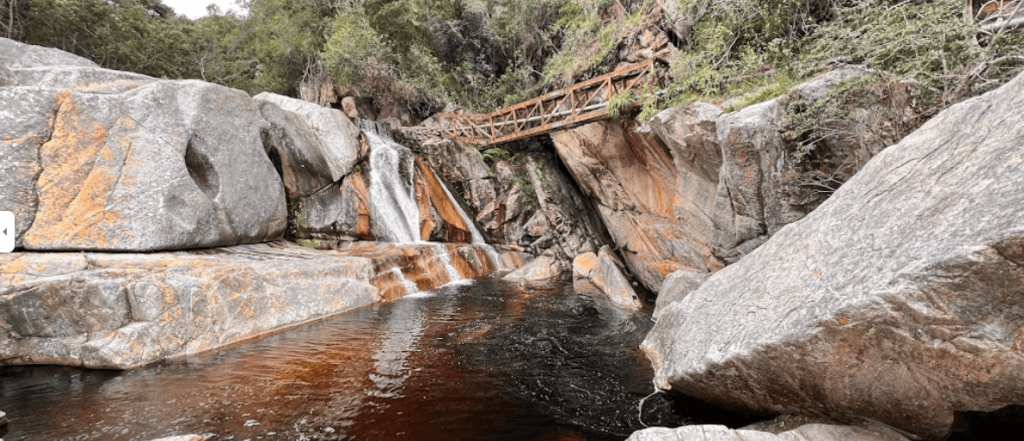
{"points": [[3, 420]]}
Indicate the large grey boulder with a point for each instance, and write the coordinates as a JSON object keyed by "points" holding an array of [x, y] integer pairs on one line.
{"points": [[167, 165], [317, 146], [26, 122], [84, 79], [17, 55], [809, 432], [339, 211], [120, 311], [28, 65], [676, 287], [899, 299], [317, 151]]}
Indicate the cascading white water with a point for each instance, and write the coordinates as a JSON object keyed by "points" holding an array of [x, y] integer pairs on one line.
{"points": [[392, 193], [393, 198], [409, 286], [478, 239], [446, 261]]}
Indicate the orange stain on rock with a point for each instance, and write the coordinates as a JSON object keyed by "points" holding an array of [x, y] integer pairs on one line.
{"points": [[81, 169], [358, 182], [666, 267], [455, 228]]}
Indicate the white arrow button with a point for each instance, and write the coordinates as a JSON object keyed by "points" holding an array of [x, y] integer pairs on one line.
{"points": [[7, 224]]}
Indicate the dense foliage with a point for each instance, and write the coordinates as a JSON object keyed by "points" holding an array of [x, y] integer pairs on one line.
{"points": [[483, 54], [762, 47]]}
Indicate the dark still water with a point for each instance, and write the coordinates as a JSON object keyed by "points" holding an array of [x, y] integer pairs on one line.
{"points": [[482, 361]]}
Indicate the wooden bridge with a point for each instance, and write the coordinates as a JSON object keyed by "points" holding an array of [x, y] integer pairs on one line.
{"points": [[578, 104]]}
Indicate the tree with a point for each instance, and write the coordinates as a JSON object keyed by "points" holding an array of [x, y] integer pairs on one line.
{"points": [[137, 35]]}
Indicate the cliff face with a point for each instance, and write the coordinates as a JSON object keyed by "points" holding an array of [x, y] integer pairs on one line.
{"points": [[899, 299], [527, 202], [700, 188], [632, 180]]}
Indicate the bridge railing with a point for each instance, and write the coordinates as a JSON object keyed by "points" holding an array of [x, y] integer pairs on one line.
{"points": [[578, 104]]}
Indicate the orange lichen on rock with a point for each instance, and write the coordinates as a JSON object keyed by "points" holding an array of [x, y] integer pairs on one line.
{"points": [[455, 228], [81, 165], [422, 265], [655, 161], [362, 192], [666, 267], [428, 223]]}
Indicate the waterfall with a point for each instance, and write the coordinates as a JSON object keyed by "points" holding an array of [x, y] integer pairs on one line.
{"points": [[393, 202], [446, 260], [392, 193], [478, 239], [409, 286]]}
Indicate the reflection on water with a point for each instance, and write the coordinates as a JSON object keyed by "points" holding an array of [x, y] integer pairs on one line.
{"points": [[402, 329], [485, 360]]}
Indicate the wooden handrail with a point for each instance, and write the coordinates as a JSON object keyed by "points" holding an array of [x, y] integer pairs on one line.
{"points": [[577, 104]]}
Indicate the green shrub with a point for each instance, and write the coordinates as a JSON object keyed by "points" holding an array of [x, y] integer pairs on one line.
{"points": [[757, 48]]}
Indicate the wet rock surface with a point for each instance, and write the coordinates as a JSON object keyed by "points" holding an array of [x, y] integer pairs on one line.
{"points": [[531, 203], [898, 299], [121, 311]]}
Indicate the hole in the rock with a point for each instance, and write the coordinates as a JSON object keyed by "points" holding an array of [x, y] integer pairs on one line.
{"points": [[701, 412], [1003, 424], [275, 158], [201, 169], [674, 38]]}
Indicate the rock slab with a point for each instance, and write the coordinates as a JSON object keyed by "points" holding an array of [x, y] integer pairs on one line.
{"points": [[676, 287], [600, 274], [900, 299], [120, 311]]}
